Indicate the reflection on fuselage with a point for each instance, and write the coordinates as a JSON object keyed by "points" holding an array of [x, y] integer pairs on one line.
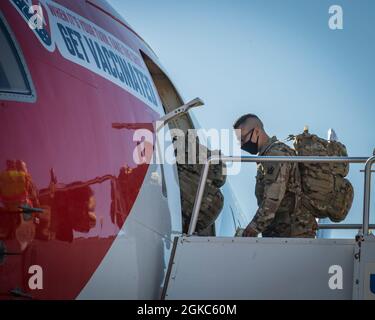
{"points": [[55, 212]]}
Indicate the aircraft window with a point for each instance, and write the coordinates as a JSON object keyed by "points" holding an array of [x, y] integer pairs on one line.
{"points": [[15, 83]]}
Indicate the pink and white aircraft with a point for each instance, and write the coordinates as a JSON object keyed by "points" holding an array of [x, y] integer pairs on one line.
{"points": [[78, 219]]}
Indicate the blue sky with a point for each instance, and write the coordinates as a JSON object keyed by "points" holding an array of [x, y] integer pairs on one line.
{"points": [[278, 59]]}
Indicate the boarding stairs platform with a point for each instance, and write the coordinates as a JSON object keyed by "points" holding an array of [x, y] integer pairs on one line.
{"points": [[223, 268]]}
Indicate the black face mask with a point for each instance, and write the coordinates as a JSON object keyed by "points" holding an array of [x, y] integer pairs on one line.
{"points": [[251, 147]]}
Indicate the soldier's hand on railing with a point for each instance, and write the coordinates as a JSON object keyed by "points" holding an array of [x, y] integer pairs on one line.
{"points": [[250, 232]]}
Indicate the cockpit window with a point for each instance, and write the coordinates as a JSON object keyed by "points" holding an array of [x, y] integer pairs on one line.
{"points": [[15, 82]]}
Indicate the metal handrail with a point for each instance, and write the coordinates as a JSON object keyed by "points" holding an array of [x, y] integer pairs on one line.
{"points": [[346, 226], [204, 174], [367, 195]]}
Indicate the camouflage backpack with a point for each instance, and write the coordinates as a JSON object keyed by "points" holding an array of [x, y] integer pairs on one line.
{"points": [[325, 191]]}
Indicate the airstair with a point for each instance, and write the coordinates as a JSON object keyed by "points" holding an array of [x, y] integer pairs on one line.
{"points": [[274, 268]]}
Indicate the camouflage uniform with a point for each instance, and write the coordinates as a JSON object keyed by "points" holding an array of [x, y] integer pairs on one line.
{"points": [[278, 190]]}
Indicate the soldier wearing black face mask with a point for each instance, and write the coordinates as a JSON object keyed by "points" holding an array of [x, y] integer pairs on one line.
{"points": [[278, 186]]}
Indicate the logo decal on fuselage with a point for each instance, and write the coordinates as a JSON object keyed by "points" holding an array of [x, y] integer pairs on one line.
{"points": [[88, 45], [37, 19]]}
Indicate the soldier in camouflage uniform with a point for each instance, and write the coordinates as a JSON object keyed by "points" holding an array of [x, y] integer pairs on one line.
{"points": [[278, 186]]}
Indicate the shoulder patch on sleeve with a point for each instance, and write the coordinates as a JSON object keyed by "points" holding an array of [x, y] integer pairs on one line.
{"points": [[271, 171]]}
